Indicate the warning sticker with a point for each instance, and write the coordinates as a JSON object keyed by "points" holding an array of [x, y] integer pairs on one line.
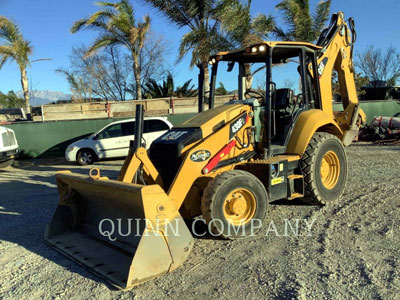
{"points": [[277, 180]]}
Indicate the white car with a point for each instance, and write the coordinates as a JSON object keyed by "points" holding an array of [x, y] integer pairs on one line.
{"points": [[114, 139], [8, 147]]}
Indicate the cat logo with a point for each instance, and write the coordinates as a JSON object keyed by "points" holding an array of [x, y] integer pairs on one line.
{"points": [[321, 66], [200, 155]]}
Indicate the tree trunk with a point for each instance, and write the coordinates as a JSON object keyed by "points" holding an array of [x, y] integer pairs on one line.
{"points": [[249, 77], [25, 88], [206, 80], [137, 73]]}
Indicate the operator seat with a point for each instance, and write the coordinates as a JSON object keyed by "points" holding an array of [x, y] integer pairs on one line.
{"points": [[283, 107], [283, 99]]}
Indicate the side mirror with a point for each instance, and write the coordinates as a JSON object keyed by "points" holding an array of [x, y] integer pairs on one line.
{"points": [[231, 64]]}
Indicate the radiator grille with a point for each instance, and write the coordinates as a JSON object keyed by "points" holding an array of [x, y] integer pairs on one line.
{"points": [[8, 139]]}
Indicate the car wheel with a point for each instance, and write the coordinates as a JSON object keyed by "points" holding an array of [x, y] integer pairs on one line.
{"points": [[85, 157]]}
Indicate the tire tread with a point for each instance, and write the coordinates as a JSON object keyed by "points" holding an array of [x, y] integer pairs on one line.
{"points": [[312, 196]]}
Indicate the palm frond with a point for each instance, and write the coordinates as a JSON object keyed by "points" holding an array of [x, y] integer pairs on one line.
{"points": [[15, 46], [101, 3], [78, 25], [102, 41], [99, 16], [263, 25], [186, 90], [320, 16], [3, 59], [300, 24], [179, 12], [6, 50]]}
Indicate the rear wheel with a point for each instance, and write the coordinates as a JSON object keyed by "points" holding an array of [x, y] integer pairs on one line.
{"points": [[85, 157], [234, 204], [6, 164], [324, 166]]}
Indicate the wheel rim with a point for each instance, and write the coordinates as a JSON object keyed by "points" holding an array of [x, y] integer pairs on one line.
{"points": [[86, 157], [239, 207], [330, 169]]}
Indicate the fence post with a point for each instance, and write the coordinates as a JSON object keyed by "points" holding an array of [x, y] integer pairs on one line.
{"points": [[172, 104], [42, 112]]}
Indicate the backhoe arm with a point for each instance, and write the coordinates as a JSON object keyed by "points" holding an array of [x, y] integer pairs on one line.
{"points": [[337, 54]]}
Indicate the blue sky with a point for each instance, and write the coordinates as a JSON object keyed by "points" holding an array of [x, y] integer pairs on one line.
{"points": [[46, 24]]}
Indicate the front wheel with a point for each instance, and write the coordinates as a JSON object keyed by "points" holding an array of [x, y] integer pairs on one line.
{"points": [[234, 204], [324, 167], [85, 157]]}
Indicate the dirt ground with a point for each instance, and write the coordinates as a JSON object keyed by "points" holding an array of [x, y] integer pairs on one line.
{"points": [[351, 252]]}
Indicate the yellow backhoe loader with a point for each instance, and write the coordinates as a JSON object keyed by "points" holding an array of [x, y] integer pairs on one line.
{"points": [[226, 164]]}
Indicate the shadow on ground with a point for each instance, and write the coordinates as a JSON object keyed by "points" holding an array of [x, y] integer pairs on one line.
{"points": [[27, 203]]}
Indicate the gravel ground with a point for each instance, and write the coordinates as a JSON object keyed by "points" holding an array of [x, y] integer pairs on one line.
{"points": [[351, 252]]}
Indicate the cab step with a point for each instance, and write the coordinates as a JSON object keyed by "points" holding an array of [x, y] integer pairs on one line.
{"points": [[295, 176], [295, 195]]}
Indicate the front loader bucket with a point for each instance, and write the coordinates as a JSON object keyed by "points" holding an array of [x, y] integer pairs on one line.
{"points": [[126, 233]]}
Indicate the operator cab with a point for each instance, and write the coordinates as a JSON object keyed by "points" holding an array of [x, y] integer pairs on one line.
{"points": [[288, 86]]}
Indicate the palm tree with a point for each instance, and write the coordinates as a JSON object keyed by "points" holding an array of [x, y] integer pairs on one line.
{"points": [[163, 90], [242, 30], [203, 38], [221, 90], [302, 25], [80, 89], [117, 25], [186, 90], [167, 88], [17, 48]]}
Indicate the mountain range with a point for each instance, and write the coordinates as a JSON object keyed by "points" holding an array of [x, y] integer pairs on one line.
{"points": [[44, 97]]}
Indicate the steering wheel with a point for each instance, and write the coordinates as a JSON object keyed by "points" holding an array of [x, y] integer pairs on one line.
{"points": [[254, 94]]}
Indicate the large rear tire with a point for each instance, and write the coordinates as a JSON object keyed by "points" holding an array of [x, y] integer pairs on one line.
{"points": [[234, 204], [324, 167], [6, 163]]}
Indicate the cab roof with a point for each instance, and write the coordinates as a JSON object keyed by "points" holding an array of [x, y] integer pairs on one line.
{"points": [[283, 50]]}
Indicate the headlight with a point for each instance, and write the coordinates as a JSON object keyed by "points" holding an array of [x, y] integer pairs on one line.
{"points": [[69, 149]]}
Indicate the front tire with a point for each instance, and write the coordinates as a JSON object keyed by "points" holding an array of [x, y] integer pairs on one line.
{"points": [[85, 157], [324, 167], [234, 204]]}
